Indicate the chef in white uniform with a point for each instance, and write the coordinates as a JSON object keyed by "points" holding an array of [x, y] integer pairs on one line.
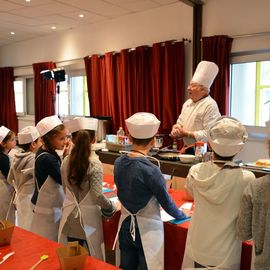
{"points": [[217, 187], [49, 195], [82, 176], [200, 111], [21, 175], [141, 190]]}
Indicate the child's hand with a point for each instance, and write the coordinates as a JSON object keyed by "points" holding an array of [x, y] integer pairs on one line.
{"points": [[117, 205], [68, 147]]}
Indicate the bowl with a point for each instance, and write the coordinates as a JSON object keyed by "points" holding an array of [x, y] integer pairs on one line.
{"points": [[185, 158]]}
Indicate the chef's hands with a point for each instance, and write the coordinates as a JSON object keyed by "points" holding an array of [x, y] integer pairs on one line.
{"points": [[178, 131]]}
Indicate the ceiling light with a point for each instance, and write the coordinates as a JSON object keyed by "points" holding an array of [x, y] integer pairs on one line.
{"points": [[27, 0], [53, 27], [12, 33], [81, 15]]}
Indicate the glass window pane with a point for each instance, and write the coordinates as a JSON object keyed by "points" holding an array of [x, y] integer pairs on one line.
{"points": [[18, 89], [243, 92], [62, 99], [77, 95], [264, 106], [265, 73]]}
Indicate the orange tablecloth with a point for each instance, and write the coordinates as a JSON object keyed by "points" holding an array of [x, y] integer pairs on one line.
{"points": [[28, 248], [175, 236]]}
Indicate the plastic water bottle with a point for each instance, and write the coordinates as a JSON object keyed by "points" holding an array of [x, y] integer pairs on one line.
{"points": [[121, 135], [199, 151]]}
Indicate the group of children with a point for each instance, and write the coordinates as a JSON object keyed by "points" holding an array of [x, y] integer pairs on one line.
{"points": [[63, 201]]}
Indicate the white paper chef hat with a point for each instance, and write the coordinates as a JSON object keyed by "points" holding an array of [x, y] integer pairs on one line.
{"points": [[205, 73], [3, 133], [142, 125], [227, 136], [79, 123], [27, 135], [47, 124]]}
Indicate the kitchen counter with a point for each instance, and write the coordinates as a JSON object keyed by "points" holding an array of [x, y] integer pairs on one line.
{"points": [[175, 168]]}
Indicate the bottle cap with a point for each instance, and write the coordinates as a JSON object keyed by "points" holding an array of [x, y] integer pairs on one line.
{"points": [[199, 143]]}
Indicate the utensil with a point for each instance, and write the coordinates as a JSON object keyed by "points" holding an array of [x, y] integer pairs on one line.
{"points": [[6, 257], [42, 258]]}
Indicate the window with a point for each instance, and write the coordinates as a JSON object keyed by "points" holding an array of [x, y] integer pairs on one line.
{"points": [[19, 96], [250, 92], [73, 97]]}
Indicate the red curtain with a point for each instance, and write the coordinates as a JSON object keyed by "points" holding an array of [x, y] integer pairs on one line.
{"points": [[8, 115], [45, 91], [95, 70], [149, 79], [217, 49]]}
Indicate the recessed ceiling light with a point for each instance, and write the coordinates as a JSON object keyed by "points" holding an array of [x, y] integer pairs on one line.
{"points": [[12, 33], [81, 15], [53, 27], [27, 0]]}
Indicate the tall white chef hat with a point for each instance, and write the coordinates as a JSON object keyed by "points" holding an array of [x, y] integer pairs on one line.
{"points": [[227, 136], [47, 124], [3, 133], [28, 134], [205, 73], [79, 123], [142, 125]]}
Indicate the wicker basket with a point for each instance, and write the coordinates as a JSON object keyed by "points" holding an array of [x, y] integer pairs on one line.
{"points": [[116, 147]]}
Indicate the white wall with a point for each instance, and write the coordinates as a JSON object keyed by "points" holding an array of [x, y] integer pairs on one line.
{"points": [[240, 17], [160, 24]]}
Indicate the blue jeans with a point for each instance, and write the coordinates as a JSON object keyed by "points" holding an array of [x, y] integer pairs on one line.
{"points": [[131, 253]]}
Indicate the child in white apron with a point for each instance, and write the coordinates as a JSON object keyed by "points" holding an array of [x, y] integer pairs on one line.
{"points": [[49, 195], [82, 177], [21, 175], [217, 187], [141, 190], [7, 142]]}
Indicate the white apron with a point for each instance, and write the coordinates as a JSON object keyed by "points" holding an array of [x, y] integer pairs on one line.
{"points": [[91, 221], [151, 232], [48, 208], [7, 210], [22, 201], [189, 258]]}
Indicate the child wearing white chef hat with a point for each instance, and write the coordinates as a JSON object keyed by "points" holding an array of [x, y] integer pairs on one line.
{"points": [[82, 177], [21, 175], [217, 187], [141, 190], [200, 111], [49, 195], [7, 142], [253, 219]]}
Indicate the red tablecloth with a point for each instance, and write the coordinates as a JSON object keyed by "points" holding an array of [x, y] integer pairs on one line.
{"points": [[175, 236], [28, 248]]}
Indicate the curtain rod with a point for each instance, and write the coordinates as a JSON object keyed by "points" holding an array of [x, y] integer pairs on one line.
{"points": [[252, 35], [78, 59], [59, 62]]}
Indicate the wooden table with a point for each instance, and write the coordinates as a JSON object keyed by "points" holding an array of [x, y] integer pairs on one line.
{"points": [[28, 248]]}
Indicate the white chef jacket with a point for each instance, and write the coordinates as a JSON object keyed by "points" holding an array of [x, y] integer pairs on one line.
{"points": [[212, 231], [198, 117]]}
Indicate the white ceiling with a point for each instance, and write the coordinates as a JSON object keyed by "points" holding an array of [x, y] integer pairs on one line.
{"points": [[33, 19]]}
